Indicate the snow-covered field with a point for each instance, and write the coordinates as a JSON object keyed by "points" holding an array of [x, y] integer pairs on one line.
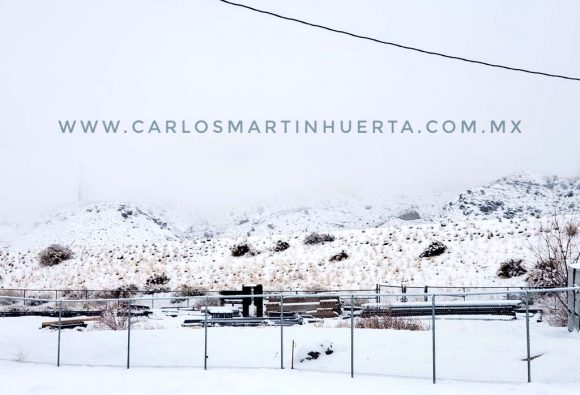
{"points": [[26, 379], [490, 349], [244, 359]]}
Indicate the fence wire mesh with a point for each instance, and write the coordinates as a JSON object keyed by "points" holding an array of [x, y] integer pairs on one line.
{"points": [[506, 336]]}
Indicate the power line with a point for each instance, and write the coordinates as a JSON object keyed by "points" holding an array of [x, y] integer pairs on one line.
{"points": [[479, 62]]}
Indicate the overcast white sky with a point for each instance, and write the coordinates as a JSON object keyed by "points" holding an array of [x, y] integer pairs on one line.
{"points": [[201, 59]]}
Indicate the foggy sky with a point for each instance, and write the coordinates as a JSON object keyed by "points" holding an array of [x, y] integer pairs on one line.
{"points": [[200, 59]]}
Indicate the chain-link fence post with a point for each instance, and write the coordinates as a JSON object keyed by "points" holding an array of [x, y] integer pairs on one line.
{"points": [[59, 325], [529, 359], [351, 336], [281, 331], [205, 335], [433, 338], [128, 333]]}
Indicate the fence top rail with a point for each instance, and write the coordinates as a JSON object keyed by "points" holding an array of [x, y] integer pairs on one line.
{"points": [[148, 291], [294, 295], [295, 291], [457, 286]]}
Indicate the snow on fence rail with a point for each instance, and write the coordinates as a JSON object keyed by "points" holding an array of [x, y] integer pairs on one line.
{"points": [[434, 346]]}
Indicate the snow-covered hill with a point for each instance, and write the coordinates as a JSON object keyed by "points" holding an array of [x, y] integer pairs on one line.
{"points": [[120, 244], [520, 195], [354, 212], [105, 224], [90, 225], [389, 254]]}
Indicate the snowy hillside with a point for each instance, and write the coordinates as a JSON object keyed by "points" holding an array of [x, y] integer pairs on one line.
{"points": [[520, 195], [120, 244], [389, 254], [103, 224], [354, 212], [90, 225]]}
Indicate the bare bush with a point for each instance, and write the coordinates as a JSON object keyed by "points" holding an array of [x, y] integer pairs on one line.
{"points": [[114, 316], [390, 322], [555, 313], [387, 322], [511, 268], [54, 254], [557, 247]]}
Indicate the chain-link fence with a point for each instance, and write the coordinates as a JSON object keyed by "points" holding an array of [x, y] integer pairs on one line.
{"points": [[465, 292], [501, 336]]}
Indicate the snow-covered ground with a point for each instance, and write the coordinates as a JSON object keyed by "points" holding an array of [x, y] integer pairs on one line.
{"points": [[28, 379], [487, 350]]}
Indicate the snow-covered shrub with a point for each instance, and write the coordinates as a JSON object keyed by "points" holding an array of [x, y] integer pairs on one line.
{"points": [[125, 291], [280, 246], [315, 287], [409, 215], [511, 268], [186, 290], [339, 257], [190, 290], [73, 294], [11, 293], [157, 283], [434, 249], [198, 304], [242, 249], [54, 254], [39, 299], [316, 238]]}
